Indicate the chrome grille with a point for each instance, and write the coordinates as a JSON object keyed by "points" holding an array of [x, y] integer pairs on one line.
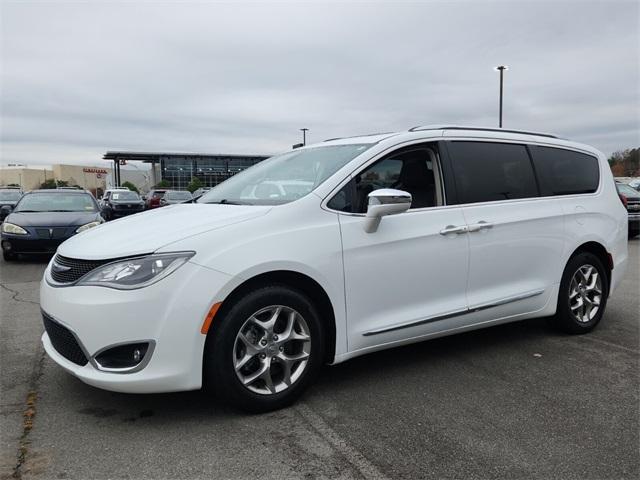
{"points": [[68, 270]]}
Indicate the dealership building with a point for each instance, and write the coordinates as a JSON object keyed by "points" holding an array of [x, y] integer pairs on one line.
{"points": [[179, 169]]}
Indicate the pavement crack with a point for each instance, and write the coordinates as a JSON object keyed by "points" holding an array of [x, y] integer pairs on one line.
{"points": [[29, 413], [14, 295], [353, 456]]}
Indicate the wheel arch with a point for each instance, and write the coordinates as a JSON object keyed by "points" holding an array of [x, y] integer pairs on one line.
{"points": [[297, 281], [599, 251]]}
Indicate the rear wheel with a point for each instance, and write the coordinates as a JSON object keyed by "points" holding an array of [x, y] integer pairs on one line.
{"points": [[583, 294], [265, 350], [634, 231]]}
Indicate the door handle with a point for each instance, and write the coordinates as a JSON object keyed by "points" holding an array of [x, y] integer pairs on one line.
{"points": [[454, 229], [481, 225]]}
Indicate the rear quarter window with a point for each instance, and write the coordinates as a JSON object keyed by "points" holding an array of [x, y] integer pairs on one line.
{"points": [[565, 172]]}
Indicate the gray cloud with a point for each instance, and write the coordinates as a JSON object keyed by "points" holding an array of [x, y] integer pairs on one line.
{"points": [[79, 78]]}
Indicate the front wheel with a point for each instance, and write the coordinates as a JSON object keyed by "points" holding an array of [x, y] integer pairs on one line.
{"points": [[8, 256], [583, 294], [265, 349]]}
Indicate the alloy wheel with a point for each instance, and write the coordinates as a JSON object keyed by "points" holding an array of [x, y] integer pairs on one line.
{"points": [[271, 349], [585, 293]]}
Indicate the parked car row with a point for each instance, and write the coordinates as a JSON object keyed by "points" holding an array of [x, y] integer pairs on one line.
{"points": [[40, 220], [120, 202]]}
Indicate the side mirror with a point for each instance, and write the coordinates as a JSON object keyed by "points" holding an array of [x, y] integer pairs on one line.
{"points": [[383, 202], [5, 210]]}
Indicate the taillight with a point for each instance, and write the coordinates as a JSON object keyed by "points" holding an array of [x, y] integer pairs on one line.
{"points": [[623, 199]]}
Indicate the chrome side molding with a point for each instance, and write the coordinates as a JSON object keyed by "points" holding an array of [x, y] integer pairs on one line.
{"points": [[456, 313]]}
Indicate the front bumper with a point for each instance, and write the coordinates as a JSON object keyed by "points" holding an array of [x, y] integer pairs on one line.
{"points": [[170, 313], [123, 211], [29, 244]]}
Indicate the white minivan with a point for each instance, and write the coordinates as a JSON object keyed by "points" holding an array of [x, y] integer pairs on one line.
{"points": [[398, 238]]}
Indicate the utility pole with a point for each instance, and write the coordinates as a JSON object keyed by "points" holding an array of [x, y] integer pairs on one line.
{"points": [[501, 69], [304, 136]]}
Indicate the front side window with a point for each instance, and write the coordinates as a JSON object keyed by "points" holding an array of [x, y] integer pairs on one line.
{"points": [[486, 172], [56, 202], [409, 169], [284, 178], [565, 172]]}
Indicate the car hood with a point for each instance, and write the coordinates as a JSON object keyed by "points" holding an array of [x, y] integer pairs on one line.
{"points": [[149, 231], [51, 219]]}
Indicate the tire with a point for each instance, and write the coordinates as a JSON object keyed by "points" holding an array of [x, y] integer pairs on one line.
{"points": [[262, 350], [8, 256], [579, 293], [633, 232]]}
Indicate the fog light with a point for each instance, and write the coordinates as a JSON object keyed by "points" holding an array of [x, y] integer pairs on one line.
{"points": [[6, 245], [124, 358]]}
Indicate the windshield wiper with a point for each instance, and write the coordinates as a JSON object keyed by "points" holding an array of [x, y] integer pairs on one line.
{"points": [[27, 211], [225, 201]]}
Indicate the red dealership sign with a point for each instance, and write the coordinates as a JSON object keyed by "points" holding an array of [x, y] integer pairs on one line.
{"points": [[100, 171]]}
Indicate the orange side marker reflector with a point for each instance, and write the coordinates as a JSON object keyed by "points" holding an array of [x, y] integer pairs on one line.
{"points": [[209, 318]]}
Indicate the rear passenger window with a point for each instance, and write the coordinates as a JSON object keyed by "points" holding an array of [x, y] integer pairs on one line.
{"points": [[486, 172], [565, 172]]}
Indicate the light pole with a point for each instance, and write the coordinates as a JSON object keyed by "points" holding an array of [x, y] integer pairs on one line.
{"points": [[304, 136], [501, 69]]}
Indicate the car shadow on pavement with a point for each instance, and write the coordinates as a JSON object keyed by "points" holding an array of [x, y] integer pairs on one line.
{"points": [[347, 379]]}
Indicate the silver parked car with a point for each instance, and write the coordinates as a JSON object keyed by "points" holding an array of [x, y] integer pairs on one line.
{"points": [[176, 196]]}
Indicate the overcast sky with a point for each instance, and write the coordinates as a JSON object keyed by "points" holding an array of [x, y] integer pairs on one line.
{"points": [[80, 78]]}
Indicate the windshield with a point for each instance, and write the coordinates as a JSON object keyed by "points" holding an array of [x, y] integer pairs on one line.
{"points": [[56, 202], [124, 196], [10, 196], [283, 178], [627, 190], [178, 196]]}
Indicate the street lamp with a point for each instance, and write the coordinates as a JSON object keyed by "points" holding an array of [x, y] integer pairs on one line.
{"points": [[501, 69], [304, 135]]}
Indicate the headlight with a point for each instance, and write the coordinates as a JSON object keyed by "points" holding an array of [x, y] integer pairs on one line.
{"points": [[87, 226], [14, 229], [136, 272]]}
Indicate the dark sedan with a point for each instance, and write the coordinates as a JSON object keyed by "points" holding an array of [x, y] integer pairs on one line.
{"points": [[121, 203], [8, 199], [43, 219]]}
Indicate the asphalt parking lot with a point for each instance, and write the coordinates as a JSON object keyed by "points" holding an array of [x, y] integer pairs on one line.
{"points": [[514, 401]]}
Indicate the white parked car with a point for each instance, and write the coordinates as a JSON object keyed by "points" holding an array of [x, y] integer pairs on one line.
{"points": [[402, 237]]}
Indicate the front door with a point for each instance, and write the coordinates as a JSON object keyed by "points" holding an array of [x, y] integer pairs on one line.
{"points": [[407, 277]]}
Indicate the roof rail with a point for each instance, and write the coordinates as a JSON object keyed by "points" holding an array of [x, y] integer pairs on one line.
{"points": [[356, 136], [484, 129]]}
